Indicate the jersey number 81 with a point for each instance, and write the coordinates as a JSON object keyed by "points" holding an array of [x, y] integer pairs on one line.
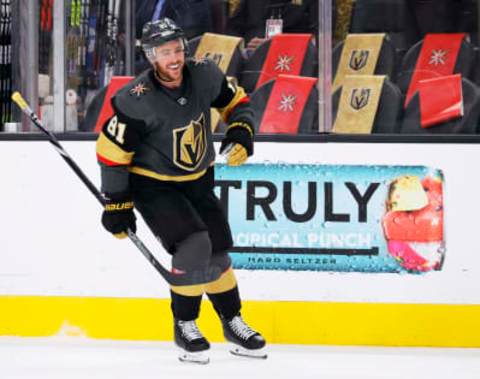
{"points": [[117, 129]]}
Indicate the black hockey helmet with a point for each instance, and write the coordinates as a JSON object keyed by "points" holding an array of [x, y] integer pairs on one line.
{"points": [[156, 33]]}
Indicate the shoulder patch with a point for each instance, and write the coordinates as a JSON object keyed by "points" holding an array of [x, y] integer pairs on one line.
{"points": [[125, 100], [139, 89], [205, 66], [200, 61]]}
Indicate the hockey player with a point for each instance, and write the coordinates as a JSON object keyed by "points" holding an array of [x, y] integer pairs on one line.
{"points": [[156, 154]]}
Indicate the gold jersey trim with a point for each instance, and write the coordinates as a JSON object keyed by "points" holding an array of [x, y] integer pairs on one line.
{"points": [[241, 125], [239, 95], [107, 149], [168, 178]]}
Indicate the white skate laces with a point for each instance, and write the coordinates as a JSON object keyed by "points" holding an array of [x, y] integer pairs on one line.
{"points": [[245, 341], [190, 330], [241, 329]]}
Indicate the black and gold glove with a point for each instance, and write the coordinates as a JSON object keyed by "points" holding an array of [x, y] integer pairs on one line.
{"points": [[237, 143], [118, 215]]}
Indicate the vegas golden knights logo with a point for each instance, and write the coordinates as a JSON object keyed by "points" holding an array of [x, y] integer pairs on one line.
{"points": [[216, 57], [190, 144], [358, 59], [359, 98]]}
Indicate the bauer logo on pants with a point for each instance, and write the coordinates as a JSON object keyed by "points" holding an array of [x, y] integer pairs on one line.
{"points": [[334, 218]]}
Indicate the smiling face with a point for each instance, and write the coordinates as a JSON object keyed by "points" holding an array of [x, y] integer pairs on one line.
{"points": [[168, 61]]}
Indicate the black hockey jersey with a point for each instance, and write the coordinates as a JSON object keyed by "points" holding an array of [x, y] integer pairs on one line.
{"points": [[165, 134]]}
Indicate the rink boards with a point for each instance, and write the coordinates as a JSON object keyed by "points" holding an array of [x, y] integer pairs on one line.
{"points": [[60, 273]]}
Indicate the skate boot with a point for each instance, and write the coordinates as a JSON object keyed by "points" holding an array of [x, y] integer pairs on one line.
{"points": [[191, 342], [246, 341]]}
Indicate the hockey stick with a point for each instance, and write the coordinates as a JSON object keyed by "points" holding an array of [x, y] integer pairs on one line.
{"points": [[195, 277]]}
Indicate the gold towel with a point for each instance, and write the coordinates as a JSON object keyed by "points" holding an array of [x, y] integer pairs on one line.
{"points": [[358, 104], [359, 56], [219, 48]]}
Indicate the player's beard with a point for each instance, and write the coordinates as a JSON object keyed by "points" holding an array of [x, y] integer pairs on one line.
{"points": [[165, 76]]}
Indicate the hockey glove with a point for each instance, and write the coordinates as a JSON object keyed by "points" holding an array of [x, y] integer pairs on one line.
{"points": [[237, 144], [118, 216], [236, 154]]}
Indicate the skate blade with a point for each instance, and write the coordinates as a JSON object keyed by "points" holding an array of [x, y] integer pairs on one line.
{"points": [[193, 357], [248, 353]]}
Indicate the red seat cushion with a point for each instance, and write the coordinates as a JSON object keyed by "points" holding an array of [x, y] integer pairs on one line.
{"points": [[285, 56], [286, 103], [438, 57]]}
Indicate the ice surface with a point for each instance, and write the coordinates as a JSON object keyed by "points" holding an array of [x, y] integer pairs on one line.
{"points": [[75, 358]]}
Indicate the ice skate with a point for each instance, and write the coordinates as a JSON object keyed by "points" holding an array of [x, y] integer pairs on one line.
{"points": [[191, 342], [246, 342]]}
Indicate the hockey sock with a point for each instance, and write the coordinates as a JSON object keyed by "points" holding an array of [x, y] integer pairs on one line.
{"points": [[185, 308], [224, 295]]}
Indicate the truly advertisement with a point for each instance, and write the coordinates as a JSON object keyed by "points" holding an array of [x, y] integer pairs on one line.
{"points": [[341, 218]]}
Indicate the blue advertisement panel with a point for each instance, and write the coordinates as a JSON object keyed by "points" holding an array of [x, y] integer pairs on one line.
{"points": [[339, 218]]}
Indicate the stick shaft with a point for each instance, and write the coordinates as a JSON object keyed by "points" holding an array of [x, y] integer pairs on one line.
{"points": [[171, 278]]}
